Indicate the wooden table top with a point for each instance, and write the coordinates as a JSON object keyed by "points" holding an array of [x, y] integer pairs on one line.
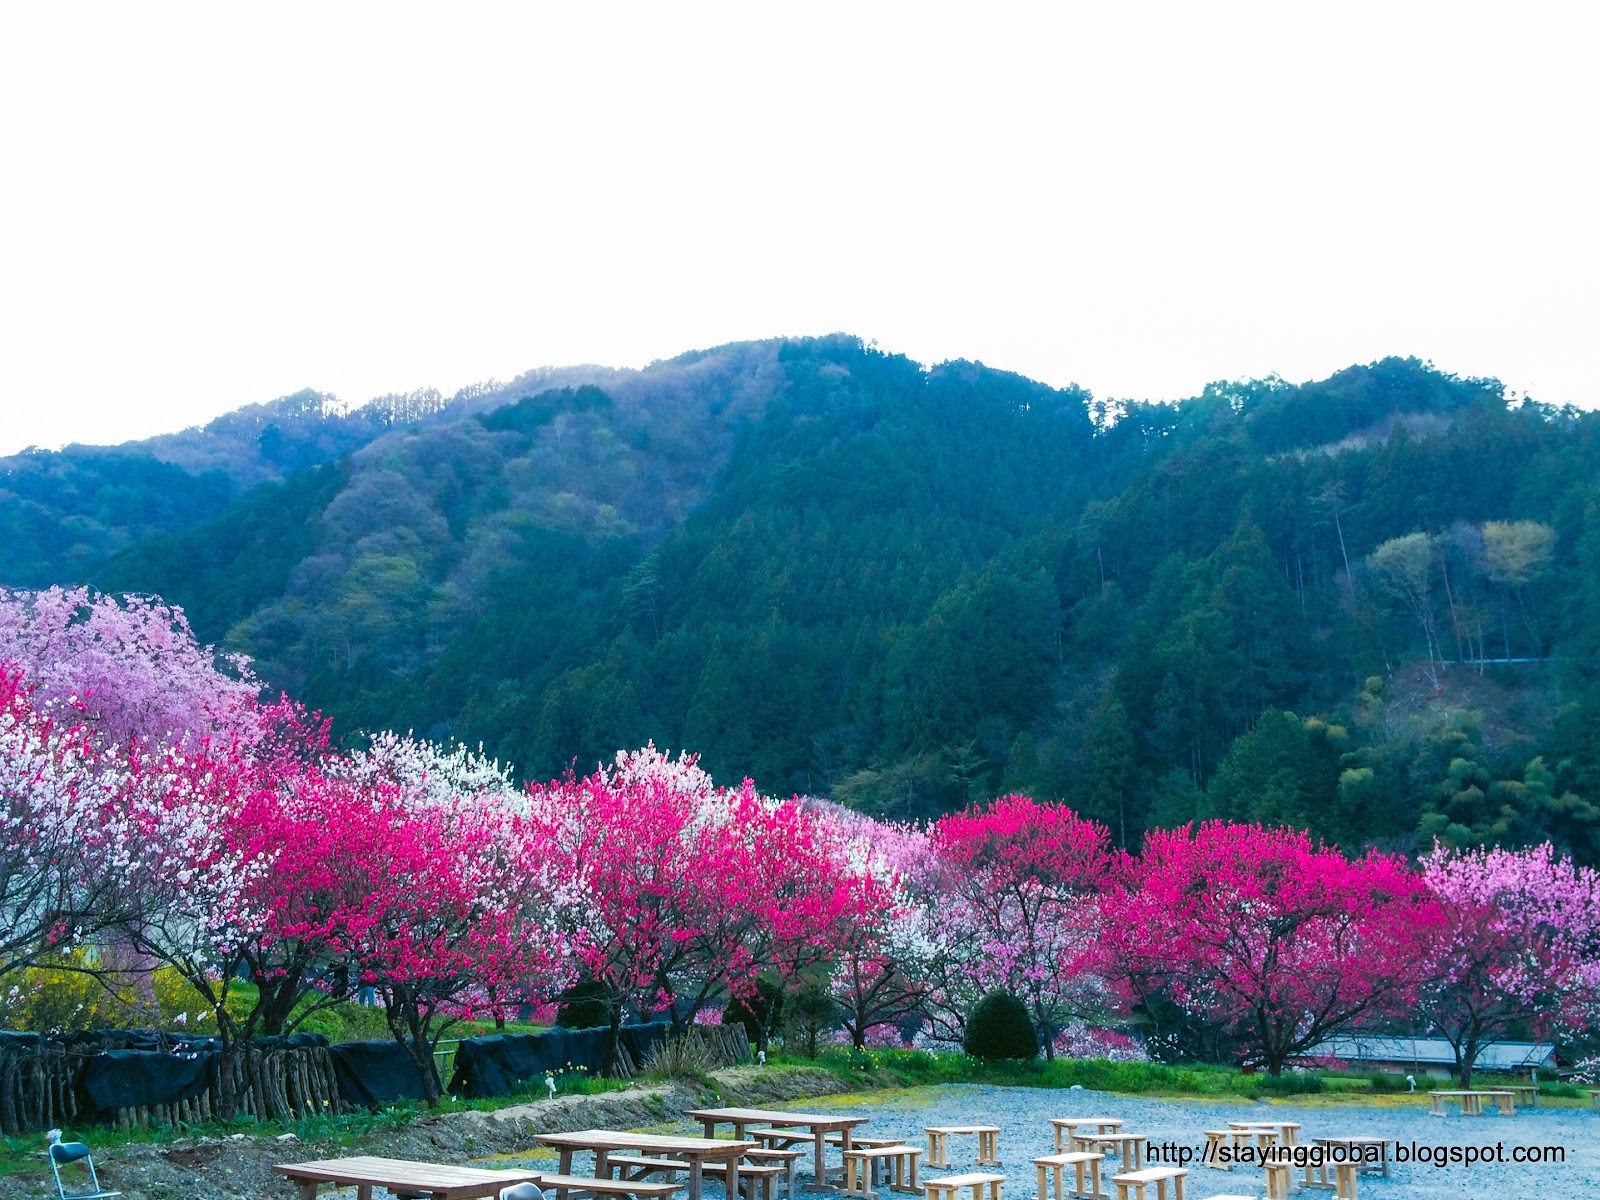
{"points": [[403, 1175], [749, 1116], [614, 1139], [1263, 1124], [1068, 1122]]}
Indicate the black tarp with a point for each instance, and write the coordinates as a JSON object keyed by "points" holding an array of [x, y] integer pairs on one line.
{"points": [[505, 1063], [372, 1074], [116, 1079]]}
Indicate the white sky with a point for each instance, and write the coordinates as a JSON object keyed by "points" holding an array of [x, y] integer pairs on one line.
{"points": [[203, 206]]}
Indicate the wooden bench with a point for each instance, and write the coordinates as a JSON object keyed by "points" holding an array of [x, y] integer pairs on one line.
{"points": [[1472, 1101], [566, 1186], [789, 1160], [1526, 1093], [1278, 1181], [866, 1167], [939, 1143], [948, 1187], [1128, 1147], [755, 1180], [1086, 1172], [837, 1139], [1219, 1139], [1505, 1100], [1135, 1185]]}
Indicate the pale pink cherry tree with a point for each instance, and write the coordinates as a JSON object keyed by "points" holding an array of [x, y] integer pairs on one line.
{"points": [[884, 961], [1515, 947], [132, 666], [1260, 933], [60, 844], [1023, 880]]}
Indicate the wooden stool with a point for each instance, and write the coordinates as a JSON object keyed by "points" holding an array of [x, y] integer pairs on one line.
{"points": [[1135, 1185], [948, 1187], [1278, 1182], [862, 1169], [1081, 1163], [1344, 1180], [939, 1143]]}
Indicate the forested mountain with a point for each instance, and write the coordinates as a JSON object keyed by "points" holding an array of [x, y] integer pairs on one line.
{"points": [[1368, 605]]}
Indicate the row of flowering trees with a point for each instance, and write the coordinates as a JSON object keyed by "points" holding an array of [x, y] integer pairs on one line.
{"points": [[153, 809]]}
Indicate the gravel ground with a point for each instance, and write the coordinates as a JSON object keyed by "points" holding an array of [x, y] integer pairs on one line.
{"points": [[232, 1169], [1023, 1115]]}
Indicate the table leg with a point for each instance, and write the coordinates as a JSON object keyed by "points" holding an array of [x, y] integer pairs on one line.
{"points": [[308, 1190], [694, 1180], [819, 1151], [733, 1179], [566, 1161], [710, 1127], [363, 1191], [602, 1165], [1058, 1139]]}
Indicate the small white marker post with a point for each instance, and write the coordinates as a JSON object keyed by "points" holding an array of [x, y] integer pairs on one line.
{"points": [[550, 1083]]}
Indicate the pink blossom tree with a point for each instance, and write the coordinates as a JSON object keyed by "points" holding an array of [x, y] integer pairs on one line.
{"points": [[1259, 932], [60, 845], [883, 963], [132, 666], [1023, 879], [1515, 947]]}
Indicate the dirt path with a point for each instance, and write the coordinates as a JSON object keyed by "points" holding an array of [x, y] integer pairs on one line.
{"points": [[237, 1167]]}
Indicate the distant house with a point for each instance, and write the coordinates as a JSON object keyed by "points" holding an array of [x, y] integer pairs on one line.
{"points": [[1431, 1056]]}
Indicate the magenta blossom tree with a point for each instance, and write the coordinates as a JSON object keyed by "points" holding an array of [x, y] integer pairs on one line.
{"points": [[1022, 882], [1276, 940]]}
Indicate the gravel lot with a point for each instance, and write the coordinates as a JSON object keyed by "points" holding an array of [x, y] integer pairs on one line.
{"points": [[1023, 1116]]}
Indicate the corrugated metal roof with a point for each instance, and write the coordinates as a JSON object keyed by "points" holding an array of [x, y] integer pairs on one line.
{"points": [[1501, 1056]]}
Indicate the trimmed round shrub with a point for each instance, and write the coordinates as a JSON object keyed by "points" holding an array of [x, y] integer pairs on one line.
{"points": [[999, 1027], [584, 1005]]}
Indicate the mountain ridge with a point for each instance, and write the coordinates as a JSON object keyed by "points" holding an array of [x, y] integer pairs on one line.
{"points": [[845, 573]]}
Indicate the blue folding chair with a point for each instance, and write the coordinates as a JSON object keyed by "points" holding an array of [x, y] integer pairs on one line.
{"points": [[64, 1154], [521, 1191]]}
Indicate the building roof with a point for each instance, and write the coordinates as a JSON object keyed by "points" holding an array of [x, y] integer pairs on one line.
{"points": [[1500, 1056]]}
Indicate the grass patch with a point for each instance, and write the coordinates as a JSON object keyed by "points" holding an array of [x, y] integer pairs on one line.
{"points": [[921, 1068]]}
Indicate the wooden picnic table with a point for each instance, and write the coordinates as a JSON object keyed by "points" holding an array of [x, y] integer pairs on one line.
{"points": [[1068, 1125], [1371, 1153], [1288, 1132], [400, 1175], [1128, 1147], [817, 1127], [699, 1153]]}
